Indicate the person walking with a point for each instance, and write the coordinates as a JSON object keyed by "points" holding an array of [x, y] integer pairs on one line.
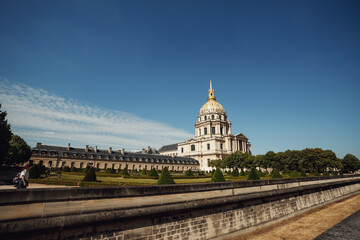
{"points": [[24, 176]]}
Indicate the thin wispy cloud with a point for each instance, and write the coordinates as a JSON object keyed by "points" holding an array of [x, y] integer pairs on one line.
{"points": [[39, 116]]}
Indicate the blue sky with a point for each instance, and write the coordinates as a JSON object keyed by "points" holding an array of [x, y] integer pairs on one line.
{"points": [[286, 72]]}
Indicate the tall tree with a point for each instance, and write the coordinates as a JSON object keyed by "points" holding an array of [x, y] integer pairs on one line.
{"points": [[19, 150], [5, 136], [350, 163]]}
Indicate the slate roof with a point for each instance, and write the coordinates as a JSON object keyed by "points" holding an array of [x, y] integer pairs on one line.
{"points": [[80, 153], [170, 147]]}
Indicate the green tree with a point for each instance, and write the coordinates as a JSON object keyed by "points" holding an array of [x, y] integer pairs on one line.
{"points": [[125, 172], [275, 174], [5, 136], [90, 176], [189, 173], [270, 159], [237, 160], [217, 176], [350, 163], [110, 170], [143, 172], [73, 169], [235, 173], [253, 175], [35, 171], [153, 173], [218, 163], [165, 177], [19, 151]]}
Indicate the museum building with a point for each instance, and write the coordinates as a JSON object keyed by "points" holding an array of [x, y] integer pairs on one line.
{"points": [[56, 157], [213, 139]]}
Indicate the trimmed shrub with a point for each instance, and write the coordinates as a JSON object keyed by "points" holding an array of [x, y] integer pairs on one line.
{"points": [[242, 173], [275, 174], [303, 173], [73, 169], [34, 171], [189, 173], [261, 173], [316, 173], [253, 175], [326, 173], [294, 174], [90, 176], [235, 173], [165, 177], [217, 176], [66, 169], [153, 173], [42, 168], [143, 172], [97, 169], [110, 170], [286, 171], [85, 170], [124, 172], [334, 173]]}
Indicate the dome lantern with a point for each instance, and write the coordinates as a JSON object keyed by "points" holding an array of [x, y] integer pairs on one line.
{"points": [[211, 106]]}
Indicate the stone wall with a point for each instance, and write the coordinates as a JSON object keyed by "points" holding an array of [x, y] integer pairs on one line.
{"points": [[193, 211]]}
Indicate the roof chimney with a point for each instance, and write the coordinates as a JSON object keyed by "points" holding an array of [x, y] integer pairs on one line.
{"points": [[123, 151], [143, 151], [110, 150], [95, 149], [148, 151], [86, 148], [38, 144], [68, 148]]}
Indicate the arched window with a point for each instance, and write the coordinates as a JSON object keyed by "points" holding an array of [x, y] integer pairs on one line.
{"points": [[192, 147], [212, 117]]}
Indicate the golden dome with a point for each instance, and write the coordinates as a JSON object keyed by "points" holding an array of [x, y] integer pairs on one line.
{"points": [[212, 106]]}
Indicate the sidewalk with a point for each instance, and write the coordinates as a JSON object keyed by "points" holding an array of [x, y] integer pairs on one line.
{"points": [[35, 185]]}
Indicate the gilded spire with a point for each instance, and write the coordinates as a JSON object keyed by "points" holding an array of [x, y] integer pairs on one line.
{"points": [[211, 93]]}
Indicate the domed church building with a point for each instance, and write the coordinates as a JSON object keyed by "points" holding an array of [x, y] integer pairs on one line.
{"points": [[213, 139]]}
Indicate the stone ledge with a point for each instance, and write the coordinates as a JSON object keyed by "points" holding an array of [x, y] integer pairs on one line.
{"points": [[17, 196], [228, 203]]}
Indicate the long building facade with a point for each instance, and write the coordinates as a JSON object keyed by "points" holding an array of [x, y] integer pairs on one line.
{"points": [[56, 157], [213, 139]]}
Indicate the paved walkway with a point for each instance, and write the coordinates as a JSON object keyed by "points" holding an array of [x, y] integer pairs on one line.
{"points": [[35, 185], [348, 229]]}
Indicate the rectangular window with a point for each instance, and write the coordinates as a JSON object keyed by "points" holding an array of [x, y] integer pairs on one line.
{"points": [[192, 147], [205, 131], [212, 117], [221, 130], [213, 130], [221, 146], [208, 146], [182, 150], [199, 132]]}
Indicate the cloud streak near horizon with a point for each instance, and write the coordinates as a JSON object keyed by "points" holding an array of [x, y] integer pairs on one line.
{"points": [[39, 116]]}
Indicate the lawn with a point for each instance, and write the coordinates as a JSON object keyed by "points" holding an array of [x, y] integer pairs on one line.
{"points": [[105, 179]]}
